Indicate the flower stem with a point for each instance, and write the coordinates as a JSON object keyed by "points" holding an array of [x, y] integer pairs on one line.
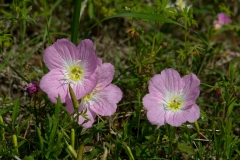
{"points": [[15, 142], [75, 22], [2, 131], [73, 138], [80, 152], [73, 97], [197, 127]]}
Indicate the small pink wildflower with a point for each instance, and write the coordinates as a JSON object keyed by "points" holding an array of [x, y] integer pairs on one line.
{"points": [[172, 98], [31, 88], [69, 64], [102, 100], [222, 19], [237, 54]]}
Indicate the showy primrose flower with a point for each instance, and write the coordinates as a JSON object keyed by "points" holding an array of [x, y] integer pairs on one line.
{"points": [[172, 98], [31, 88], [102, 100], [72, 65], [222, 19]]}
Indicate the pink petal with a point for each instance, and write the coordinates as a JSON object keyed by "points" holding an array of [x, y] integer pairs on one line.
{"points": [[87, 56], [168, 81], [62, 50], [91, 116], [53, 84], [86, 86], [151, 101], [175, 118], [105, 74], [113, 93], [105, 101], [99, 61], [191, 87], [69, 105], [156, 116], [192, 114]]}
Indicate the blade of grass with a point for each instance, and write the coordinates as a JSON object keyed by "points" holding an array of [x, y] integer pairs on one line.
{"points": [[148, 16], [75, 22]]}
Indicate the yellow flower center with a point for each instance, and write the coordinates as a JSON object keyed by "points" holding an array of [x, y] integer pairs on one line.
{"points": [[175, 103], [75, 73], [87, 97], [180, 4]]}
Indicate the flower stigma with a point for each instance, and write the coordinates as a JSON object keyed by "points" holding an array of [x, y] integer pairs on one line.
{"points": [[175, 103], [87, 97], [74, 73]]}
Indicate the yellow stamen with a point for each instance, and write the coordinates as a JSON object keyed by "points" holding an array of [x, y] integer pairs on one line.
{"points": [[175, 103], [75, 73]]}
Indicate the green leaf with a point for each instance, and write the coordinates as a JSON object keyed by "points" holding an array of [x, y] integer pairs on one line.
{"points": [[128, 151], [15, 112], [55, 119], [28, 158], [41, 140], [185, 148], [5, 110], [87, 138], [231, 72], [23, 124], [147, 16], [23, 78], [231, 106], [90, 10]]}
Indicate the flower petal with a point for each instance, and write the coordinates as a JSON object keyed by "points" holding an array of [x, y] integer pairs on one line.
{"points": [[87, 56], [85, 86], [105, 74], [91, 116], [168, 81], [99, 61], [191, 87], [62, 50], [69, 105], [156, 116], [53, 84], [105, 101], [175, 118], [151, 101], [192, 114]]}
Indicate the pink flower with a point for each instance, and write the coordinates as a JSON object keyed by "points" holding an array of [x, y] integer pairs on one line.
{"points": [[102, 100], [223, 18], [237, 54], [172, 98], [69, 64], [31, 88], [217, 26]]}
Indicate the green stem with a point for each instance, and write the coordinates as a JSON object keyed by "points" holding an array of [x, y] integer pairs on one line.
{"points": [[171, 135], [48, 35], [22, 31], [75, 22], [15, 142], [2, 130], [73, 138], [80, 152], [197, 126]]}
